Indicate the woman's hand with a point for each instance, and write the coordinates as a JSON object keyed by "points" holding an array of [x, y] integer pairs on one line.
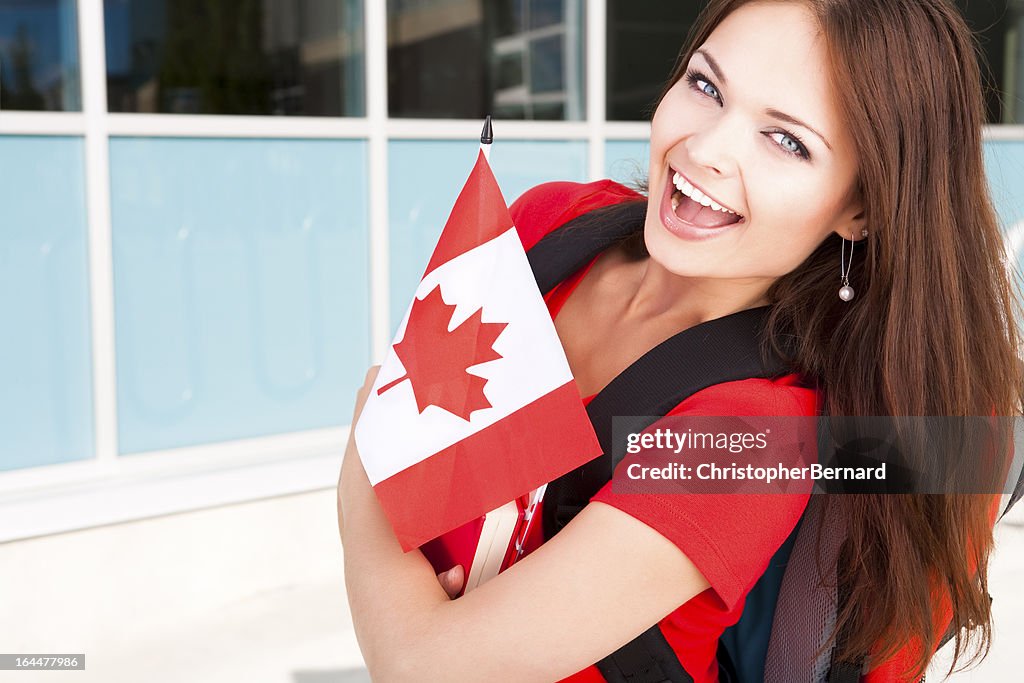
{"points": [[353, 484]]}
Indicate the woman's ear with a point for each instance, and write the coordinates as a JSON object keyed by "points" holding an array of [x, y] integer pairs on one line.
{"points": [[854, 223], [859, 226], [855, 229]]}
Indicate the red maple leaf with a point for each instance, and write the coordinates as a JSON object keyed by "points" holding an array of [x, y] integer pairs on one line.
{"points": [[435, 359]]}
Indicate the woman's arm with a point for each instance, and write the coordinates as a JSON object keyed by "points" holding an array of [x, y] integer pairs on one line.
{"points": [[603, 580]]}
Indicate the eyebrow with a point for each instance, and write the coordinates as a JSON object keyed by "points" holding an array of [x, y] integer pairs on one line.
{"points": [[774, 113]]}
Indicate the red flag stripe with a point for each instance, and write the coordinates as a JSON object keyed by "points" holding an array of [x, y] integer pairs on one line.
{"points": [[479, 215], [488, 468]]}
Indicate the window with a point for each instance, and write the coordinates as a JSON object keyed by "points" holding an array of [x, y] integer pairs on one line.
{"points": [[39, 56], [999, 26], [257, 57], [644, 39], [515, 59]]}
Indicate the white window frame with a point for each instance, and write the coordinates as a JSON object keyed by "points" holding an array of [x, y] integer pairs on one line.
{"points": [[109, 489]]}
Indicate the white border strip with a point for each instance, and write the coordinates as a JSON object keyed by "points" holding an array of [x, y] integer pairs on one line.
{"points": [[469, 129], [188, 125], [217, 126], [185, 125], [172, 462], [113, 502], [377, 113], [596, 68], [41, 123], [101, 277], [1003, 132], [627, 130]]}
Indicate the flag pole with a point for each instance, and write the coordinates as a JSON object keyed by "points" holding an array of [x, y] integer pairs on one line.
{"points": [[528, 517], [486, 138]]}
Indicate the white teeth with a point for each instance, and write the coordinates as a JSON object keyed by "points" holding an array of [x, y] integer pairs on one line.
{"points": [[684, 186], [675, 202]]}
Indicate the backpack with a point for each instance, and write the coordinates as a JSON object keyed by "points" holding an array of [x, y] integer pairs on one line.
{"points": [[791, 609]]}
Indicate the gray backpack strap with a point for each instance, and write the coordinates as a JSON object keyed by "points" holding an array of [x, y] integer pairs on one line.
{"points": [[805, 613], [851, 673], [1016, 473]]}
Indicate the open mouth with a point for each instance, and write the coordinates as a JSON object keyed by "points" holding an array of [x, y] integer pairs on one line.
{"points": [[690, 204]]}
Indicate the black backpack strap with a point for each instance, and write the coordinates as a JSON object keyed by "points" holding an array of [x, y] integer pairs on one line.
{"points": [[565, 250], [647, 659], [713, 352]]}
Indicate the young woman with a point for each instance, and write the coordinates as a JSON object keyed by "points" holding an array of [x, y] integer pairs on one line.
{"points": [[804, 127]]}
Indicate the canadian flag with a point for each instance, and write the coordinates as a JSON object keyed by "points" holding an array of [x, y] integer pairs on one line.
{"points": [[474, 403]]}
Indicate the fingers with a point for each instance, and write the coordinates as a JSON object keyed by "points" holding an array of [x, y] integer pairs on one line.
{"points": [[364, 391], [452, 580], [371, 377]]}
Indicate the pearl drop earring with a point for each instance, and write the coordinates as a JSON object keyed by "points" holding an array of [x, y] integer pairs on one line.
{"points": [[846, 291]]}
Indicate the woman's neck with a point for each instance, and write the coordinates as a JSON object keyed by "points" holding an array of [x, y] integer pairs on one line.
{"points": [[656, 293]]}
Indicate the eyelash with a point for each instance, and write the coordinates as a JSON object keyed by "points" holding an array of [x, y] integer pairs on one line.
{"points": [[692, 78]]}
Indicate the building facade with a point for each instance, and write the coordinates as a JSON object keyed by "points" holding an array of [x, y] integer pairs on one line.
{"points": [[217, 211]]}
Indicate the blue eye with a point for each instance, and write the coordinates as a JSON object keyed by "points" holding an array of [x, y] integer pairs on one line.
{"points": [[701, 84], [790, 144], [708, 89]]}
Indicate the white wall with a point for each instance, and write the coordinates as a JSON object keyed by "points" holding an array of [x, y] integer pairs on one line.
{"points": [[252, 592]]}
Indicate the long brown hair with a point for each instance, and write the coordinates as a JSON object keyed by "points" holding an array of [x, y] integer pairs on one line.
{"points": [[933, 328]]}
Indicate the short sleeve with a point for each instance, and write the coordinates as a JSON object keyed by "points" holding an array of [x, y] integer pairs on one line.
{"points": [[547, 206], [730, 537]]}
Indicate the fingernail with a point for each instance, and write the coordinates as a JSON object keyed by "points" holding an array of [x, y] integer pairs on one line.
{"points": [[450, 574]]}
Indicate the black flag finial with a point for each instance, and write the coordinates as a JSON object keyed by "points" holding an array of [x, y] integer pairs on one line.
{"points": [[487, 134]]}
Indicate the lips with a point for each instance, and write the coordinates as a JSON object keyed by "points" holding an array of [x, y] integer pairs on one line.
{"points": [[690, 220]]}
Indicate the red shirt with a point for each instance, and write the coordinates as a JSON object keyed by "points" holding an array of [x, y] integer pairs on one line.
{"points": [[730, 538]]}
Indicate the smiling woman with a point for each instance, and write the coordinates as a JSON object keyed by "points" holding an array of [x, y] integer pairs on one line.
{"points": [[791, 135], [740, 126]]}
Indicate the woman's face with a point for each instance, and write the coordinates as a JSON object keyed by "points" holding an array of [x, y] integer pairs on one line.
{"points": [[753, 126]]}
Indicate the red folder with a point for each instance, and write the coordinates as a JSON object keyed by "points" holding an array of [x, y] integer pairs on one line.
{"points": [[488, 545]]}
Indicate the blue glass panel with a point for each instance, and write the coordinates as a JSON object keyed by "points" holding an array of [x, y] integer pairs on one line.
{"points": [[626, 161], [425, 177], [1004, 168], [45, 350], [241, 287]]}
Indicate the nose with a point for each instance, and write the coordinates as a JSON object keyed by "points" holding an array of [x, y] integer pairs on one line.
{"points": [[713, 146]]}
